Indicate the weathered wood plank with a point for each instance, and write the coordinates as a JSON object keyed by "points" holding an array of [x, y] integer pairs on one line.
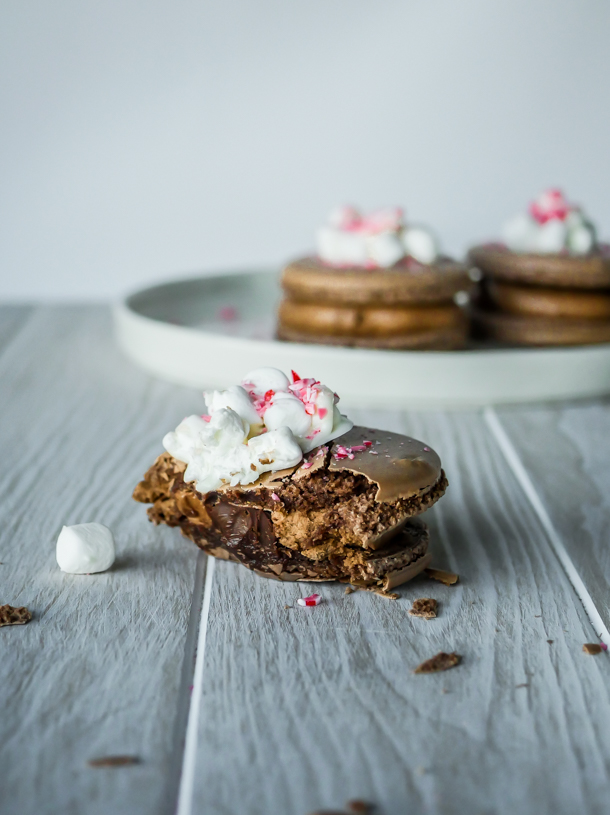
{"points": [[566, 451], [12, 318], [303, 709], [97, 671]]}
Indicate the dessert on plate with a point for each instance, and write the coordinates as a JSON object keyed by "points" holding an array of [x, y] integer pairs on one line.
{"points": [[548, 283], [374, 282], [274, 477]]}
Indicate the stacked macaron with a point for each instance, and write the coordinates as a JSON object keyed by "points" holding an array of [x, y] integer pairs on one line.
{"points": [[548, 283], [274, 477], [375, 282]]}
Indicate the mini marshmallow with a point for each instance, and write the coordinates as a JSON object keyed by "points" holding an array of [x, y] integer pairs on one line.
{"points": [[85, 548], [384, 249], [420, 244]]}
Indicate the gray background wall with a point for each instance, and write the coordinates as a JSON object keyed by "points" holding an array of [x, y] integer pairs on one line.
{"points": [[144, 140]]}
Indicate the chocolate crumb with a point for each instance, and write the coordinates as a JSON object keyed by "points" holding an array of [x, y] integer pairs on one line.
{"points": [[550, 642], [425, 607], [113, 761], [440, 662], [359, 807], [448, 578], [11, 615], [592, 648]]}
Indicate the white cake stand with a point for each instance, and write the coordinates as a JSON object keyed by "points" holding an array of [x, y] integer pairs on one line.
{"points": [[209, 331]]}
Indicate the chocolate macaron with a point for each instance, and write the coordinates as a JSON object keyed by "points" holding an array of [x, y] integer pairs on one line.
{"points": [[549, 283], [346, 510], [374, 282]]}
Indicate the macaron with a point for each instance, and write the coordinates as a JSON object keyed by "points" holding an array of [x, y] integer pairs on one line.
{"points": [[347, 512], [375, 282], [548, 283]]}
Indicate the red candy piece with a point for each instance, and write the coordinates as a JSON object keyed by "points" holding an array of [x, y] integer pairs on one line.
{"points": [[312, 600]]}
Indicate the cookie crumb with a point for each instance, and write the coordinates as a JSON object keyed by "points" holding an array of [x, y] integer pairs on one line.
{"points": [[358, 807], [550, 642], [592, 648], [287, 606], [12, 615], [440, 662], [113, 761], [523, 685], [349, 590], [425, 607], [448, 578]]}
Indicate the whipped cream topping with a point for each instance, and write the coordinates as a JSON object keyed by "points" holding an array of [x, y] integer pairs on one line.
{"points": [[377, 240], [265, 424], [551, 225]]}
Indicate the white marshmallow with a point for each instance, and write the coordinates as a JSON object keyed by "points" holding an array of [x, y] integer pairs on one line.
{"points": [[581, 239], [287, 411], [384, 249], [278, 448], [235, 398], [262, 380], [550, 237], [420, 244], [519, 233], [85, 548], [338, 247]]}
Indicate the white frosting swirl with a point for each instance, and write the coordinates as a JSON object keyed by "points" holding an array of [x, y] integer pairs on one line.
{"points": [[377, 240], [263, 425], [551, 225]]}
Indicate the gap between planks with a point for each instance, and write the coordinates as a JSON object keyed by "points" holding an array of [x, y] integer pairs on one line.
{"points": [[193, 693], [525, 482]]}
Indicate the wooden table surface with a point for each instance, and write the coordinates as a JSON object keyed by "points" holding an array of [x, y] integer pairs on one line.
{"points": [[236, 704]]}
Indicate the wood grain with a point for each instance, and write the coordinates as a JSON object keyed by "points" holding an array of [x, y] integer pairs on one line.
{"points": [[302, 709], [97, 671], [566, 451]]}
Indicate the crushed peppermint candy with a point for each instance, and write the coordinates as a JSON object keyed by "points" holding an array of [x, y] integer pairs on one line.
{"points": [[312, 600], [228, 314], [306, 465]]}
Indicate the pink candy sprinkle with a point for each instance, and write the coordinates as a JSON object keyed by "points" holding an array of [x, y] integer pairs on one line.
{"points": [[604, 647], [227, 313], [550, 206], [426, 449], [275, 496], [312, 600]]}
